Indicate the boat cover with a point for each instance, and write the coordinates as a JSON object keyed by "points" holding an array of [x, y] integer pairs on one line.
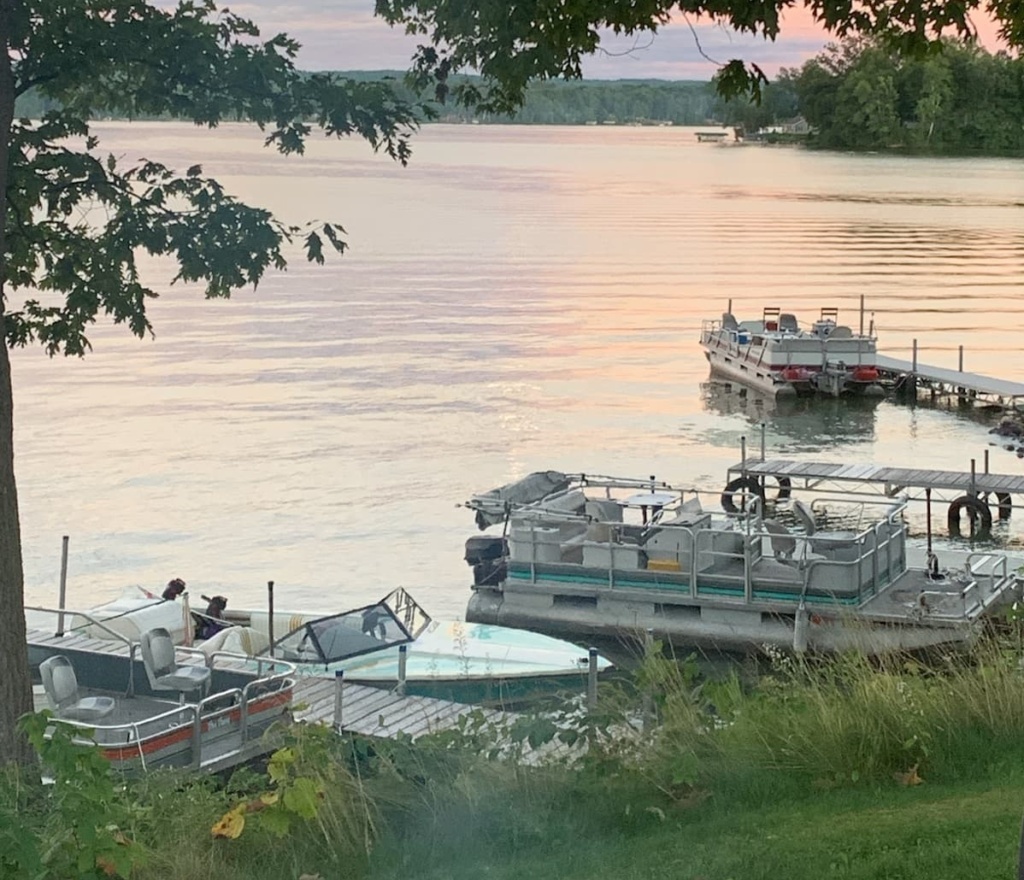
{"points": [[492, 507]]}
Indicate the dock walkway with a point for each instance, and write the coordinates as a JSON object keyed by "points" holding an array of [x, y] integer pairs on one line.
{"points": [[891, 480], [949, 381]]}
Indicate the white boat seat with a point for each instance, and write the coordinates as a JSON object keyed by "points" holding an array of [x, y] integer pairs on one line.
{"points": [[61, 686], [603, 510], [826, 544], [162, 669], [783, 542]]}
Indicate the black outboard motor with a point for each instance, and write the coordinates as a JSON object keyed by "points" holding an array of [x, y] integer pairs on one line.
{"points": [[487, 555]]}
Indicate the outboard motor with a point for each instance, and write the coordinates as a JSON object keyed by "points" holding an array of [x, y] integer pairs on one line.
{"points": [[487, 554]]}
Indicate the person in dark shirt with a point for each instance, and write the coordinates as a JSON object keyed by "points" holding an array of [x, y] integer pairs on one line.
{"points": [[212, 621], [174, 589]]}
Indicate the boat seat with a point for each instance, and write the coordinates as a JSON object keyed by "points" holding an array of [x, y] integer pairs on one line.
{"points": [[841, 332], [828, 545], [603, 510], [61, 686], [783, 542], [162, 669], [785, 546], [788, 323], [729, 321]]}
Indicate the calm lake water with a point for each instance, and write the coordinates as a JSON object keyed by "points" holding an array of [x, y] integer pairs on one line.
{"points": [[516, 299]]}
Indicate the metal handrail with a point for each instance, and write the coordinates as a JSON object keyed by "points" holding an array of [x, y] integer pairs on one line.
{"points": [[119, 637]]}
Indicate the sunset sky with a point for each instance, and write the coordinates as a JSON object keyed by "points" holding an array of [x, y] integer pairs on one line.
{"points": [[344, 35]]}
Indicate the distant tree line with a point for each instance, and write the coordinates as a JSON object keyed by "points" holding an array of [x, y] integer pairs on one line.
{"points": [[960, 101], [854, 96], [555, 102]]}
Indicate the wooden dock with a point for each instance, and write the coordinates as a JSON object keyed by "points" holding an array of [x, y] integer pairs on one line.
{"points": [[960, 383], [982, 497], [892, 481]]}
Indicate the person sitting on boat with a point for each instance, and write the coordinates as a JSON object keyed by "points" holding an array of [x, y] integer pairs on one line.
{"points": [[211, 621], [174, 589]]}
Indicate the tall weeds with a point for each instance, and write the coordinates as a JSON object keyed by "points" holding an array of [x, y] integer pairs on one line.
{"points": [[849, 719]]}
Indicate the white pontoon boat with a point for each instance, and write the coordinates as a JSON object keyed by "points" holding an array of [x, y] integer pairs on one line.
{"points": [[579, 555], [776, 356]]}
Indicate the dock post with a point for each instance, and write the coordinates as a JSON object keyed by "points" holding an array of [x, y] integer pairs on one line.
{"points": [[592, 680], [763, 428], [913, 360], [862, 314], [403, 657], [743, 455], [974, 490], [339, 676], [928, 515], [62, 598], [648, 698], [986, 461], [961, 367], [270, 618]]}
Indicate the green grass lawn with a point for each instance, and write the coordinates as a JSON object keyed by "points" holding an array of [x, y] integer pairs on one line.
{"points": [[927, 832]]}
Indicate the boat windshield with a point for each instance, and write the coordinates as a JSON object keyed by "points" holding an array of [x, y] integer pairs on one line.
{"points": [[395, 620]]}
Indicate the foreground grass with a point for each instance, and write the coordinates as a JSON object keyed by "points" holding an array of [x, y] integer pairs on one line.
{"points": [[845, 769], [929, 832]]}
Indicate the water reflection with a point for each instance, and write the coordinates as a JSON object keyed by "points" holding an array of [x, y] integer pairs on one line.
{"points": [[805, 423]]}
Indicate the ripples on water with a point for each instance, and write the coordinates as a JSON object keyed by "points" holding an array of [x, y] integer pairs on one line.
{"points": [[516, 299]]}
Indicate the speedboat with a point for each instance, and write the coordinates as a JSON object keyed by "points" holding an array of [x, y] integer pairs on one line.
{"points": [[581, 555], [775, 356], [390, 643]]}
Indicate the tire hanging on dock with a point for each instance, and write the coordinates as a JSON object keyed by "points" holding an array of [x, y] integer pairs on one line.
{"points": [[785, 488], [740, 484], [978, 514]]}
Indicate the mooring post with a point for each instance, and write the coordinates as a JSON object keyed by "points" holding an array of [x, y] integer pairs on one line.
{"points": [[743, 456], [928, 515], [270, 617], [339, 676], [913, 361], [986, 461], [763, 428], [961, 358], [648, 698], [592, 680], [862, 314], [403, 658], [973, 477], [62, 598]]}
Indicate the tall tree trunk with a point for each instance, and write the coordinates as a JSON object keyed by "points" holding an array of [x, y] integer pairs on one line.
{"points": [[15, 684]]}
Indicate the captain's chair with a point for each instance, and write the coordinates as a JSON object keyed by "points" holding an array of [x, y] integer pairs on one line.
{"points": [[163, 671], [61, 686]]}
